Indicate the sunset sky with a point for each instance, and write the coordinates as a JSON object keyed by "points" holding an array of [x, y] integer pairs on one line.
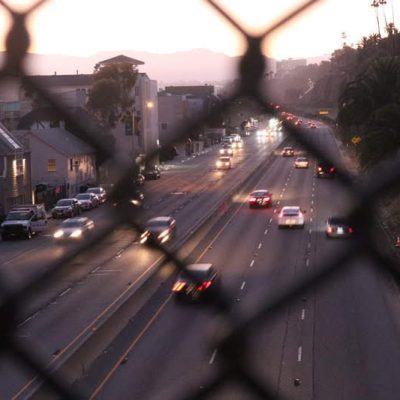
{"points": [[86, 27]]}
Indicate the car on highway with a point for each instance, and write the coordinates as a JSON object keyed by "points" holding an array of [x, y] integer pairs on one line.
{"points": [[152, 173], [291, 216], [66, 208], [226, 150], [100, 192], [237, 144], [74, 229], [325, 170], [301, 162], [87, 201], [227, 139], [195, 282], [260, 198], [337, 227], [162, 229], [312, 125], [287, 151], [223, 162]]}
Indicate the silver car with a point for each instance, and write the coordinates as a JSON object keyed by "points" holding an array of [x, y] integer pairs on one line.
{"points": [[291, 216], [87, 201], [99, 192]]}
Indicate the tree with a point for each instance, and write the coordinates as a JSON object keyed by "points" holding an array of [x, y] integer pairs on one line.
{"points": [[110, 97]]}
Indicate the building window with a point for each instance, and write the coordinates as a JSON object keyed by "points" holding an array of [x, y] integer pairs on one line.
{"points": [[164, 126], [54, 124], [51, 165], [71, 164]]}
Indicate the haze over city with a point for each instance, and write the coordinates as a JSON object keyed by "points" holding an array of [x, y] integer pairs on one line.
{"points": [[84, 28]]}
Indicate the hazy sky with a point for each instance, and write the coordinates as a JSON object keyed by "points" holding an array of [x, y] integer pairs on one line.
{"points": [[86, 27]]}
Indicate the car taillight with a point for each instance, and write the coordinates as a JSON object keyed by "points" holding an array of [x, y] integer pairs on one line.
{"points": [[204, 286], [329, 229], [350, 230], [268, 198], [319, 169], [252, 199], [300, 214], [331, 169]]}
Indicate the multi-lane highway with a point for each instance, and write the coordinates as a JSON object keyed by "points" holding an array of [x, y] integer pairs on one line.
{"points": [[339, 341]]}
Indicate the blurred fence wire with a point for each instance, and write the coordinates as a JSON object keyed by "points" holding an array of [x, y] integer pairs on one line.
{"points": [[233, 345]]}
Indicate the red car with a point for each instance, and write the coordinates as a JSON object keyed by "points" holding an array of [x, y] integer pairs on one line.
{"points": [[260, 198]]}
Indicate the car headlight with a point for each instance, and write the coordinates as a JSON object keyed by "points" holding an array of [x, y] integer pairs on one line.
{"points": [[76, 233], [144, 236], [219, 164], [163, 234], [57, 234]]}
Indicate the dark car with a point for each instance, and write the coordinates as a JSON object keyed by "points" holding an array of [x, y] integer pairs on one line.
{"points": [[139, 180], [197, 283], [325, 170], [74, 229], [288, 152], [338, 227], [160, 228], [66, 208], [260, 198], [152, 173]]}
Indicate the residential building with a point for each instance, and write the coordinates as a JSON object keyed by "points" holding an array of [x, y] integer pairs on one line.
{"points": [[15, 179], [58, 158]]}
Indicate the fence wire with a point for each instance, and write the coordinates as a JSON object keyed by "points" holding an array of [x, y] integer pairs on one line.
{"points": [[234, 344]]}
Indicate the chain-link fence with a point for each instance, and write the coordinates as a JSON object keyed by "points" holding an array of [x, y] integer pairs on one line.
{"points": [[234, 343]]}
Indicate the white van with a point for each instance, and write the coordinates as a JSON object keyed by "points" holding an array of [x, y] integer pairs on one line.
{"points": [[24, 221]]}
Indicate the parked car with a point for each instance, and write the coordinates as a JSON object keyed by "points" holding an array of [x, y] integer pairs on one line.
{"points": [[24, 221], [338, 227], [66, 208], [99, 192], [152, 173], [159, 228], [87, 201], [291, 216], [196, 283], [260, 198], [74, 229], [139, 180]]}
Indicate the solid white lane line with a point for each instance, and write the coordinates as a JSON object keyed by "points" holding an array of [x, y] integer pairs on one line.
{"points": [[213, 355], [243, 285], [309, 245], [259, 245], [309, 231], [64, 292], [252, 263], [266, 231], [310, 219], [299, 354], [307, 262], [303, 314], [270, 220]]}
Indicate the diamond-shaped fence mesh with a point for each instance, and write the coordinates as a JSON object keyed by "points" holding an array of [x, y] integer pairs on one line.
{"points": [[234, 340]]}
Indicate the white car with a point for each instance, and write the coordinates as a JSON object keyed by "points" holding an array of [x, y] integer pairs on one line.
{"points": [[223, 163], [74, 229], [301, 162], [291, 216]]}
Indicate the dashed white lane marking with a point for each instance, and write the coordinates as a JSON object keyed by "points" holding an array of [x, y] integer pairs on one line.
{"points": [[283, 189], [307, 262], [252, 263], [64, 292], [270, 220], [310, 219], [281, 195], [309, 231], [243, 285], [303, 314], [312, 201], [278, 202], [311, 210], [312, 194], [259, 245], [309, 245], [213, 355], [28, 319], [266, 231], [299, 353]]}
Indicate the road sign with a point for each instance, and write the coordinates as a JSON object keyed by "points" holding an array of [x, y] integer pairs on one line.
{"points": [[356, 139]]}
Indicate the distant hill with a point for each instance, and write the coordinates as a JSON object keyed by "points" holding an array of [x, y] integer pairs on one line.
{"points": [[196, 66]]}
